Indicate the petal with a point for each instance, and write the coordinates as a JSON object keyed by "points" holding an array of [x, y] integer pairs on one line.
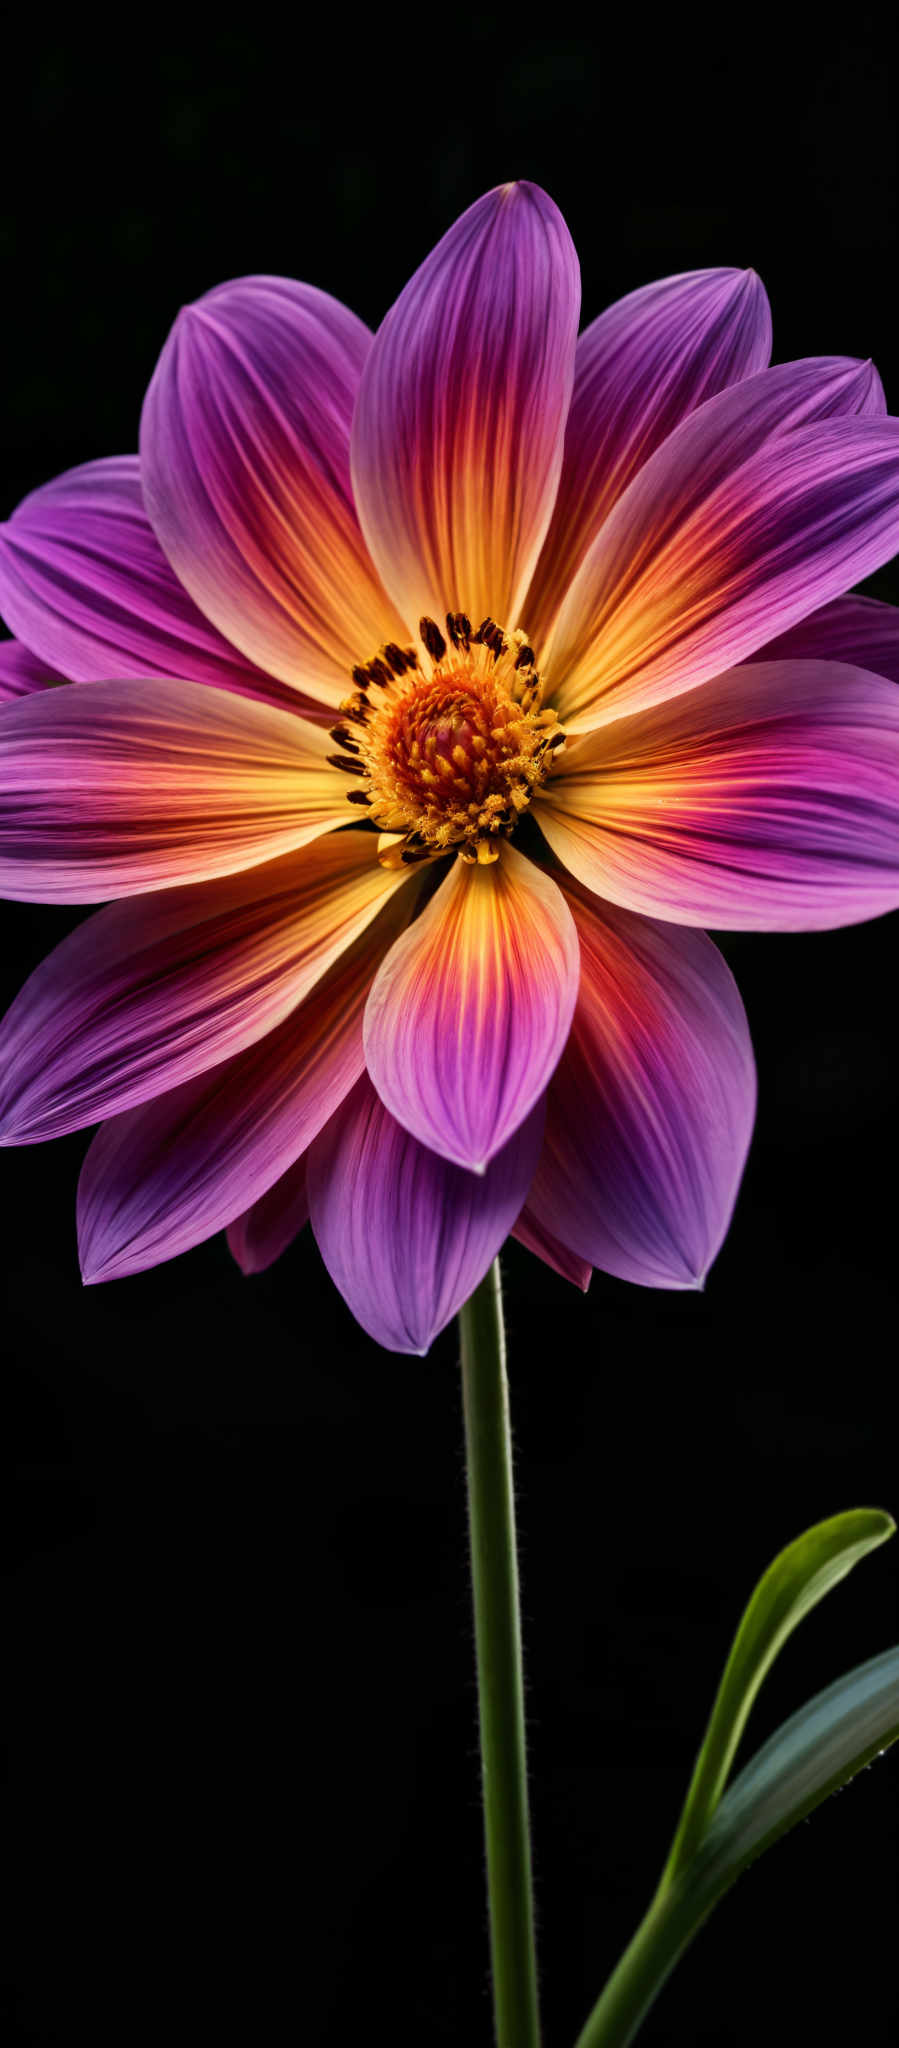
{"points": [[113, 788], [859, 630], [760, 507], [768, 799], [457, 437], [21, 672], [531, 1233], [470, 1011], [639, 370], [165, 1176], [144, 995], [407, 1236], [650, 1112], [84, 580], [245, 466], [258, 1237]]}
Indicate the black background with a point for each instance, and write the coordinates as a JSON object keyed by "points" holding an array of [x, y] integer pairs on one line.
{"points": [[244, 1798]]}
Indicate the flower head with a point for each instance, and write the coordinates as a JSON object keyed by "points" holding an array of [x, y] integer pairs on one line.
{"points": [[425, 695]]}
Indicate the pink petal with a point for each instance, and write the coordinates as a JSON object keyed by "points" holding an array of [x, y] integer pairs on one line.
{"points": [[639, 370], [768, 799], [113, 788], [84, 580], [165, 1176], [760, 507], [531, 1233], [470, 1011], [859, 630], [457, 437], [258, 1237], [649, 1114], [144, 995], [245, 467], [22, 672], [407, 1236]]}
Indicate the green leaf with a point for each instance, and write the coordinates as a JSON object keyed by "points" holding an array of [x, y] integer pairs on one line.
{"points": [[814, 1753], [791, 1586]]}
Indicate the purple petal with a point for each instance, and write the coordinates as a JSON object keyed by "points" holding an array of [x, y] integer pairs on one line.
{"points": [[109, 789], [639, 370], [407, 1236], [457, 437], [245, 467], [258, 1237], [759, 508], [650, 1111], [147, 994], [536, 1238], [767, 799], [168, 1175], [22, 672], [471, 1009], [84, 580], [857, 630]]}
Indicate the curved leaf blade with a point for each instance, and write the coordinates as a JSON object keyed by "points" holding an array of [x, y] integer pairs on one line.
{"points": [[798, 1578], [811, 1755]]}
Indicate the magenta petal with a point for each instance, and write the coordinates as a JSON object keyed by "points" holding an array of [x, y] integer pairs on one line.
{"points": [[532, 1233], [109, 789], [471, 1009], [767, 799], [407, 1236], [650, 1111], [457, 435], [145, 995], [639, 370], [245, 467], [167, 1175], [768, 501], [84, 580], [22, 672], [258, 1237], [859, 630]]}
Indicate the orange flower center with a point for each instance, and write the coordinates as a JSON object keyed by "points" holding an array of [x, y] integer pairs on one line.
{"points": [[447, 748]]}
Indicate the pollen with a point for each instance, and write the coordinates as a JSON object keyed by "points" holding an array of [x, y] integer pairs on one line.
{"points": [[446, 742]]}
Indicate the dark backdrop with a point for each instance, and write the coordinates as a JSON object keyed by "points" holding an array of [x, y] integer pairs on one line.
{"points": [[244, 1797]]}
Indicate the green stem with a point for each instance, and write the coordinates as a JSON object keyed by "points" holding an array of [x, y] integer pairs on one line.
{"points": [[662, 1936], [494, 1573]]}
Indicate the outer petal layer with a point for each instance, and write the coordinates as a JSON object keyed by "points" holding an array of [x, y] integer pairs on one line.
{"points": [[84, 580], [858, 630], [147, 994], [639, 370], [167, 1175], [650, 1112], [768, 799], [21, 672], [258, 1237], [109, 789], [760, 507], [407, 1236], [471, 1009], [457, 438], [245, 466]]}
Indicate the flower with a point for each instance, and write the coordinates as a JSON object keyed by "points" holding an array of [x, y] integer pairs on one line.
{"points": [[429, 694]]}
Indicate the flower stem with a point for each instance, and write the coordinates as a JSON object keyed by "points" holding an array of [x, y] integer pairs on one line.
{"points": [[500, 1683]]}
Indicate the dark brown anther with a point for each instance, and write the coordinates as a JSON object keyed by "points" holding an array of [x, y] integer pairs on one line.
{"points": [[343, 762], [358, 796], [525, 657], [411, 657], [557, 740], [360, 678], [344, 738], [432, 638], [459, 629], [378, 672], [396, 658]]}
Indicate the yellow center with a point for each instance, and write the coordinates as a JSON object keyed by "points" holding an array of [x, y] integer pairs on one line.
{"points": [[447, 748]]}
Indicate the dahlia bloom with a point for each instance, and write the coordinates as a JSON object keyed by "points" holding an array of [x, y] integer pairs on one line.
{"points": [[430, 692]]}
